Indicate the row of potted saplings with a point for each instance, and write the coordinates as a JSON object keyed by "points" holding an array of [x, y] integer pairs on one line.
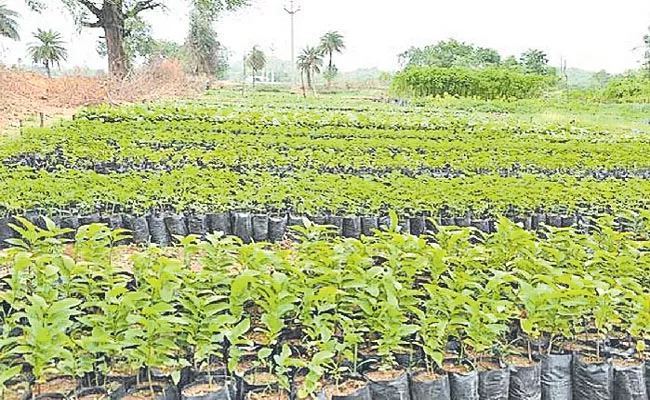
{"points": [[161, 228], [417, 363]]}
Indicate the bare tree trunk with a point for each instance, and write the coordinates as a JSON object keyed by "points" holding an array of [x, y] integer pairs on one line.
{"points": [[302, 81], [113, 24], [46, 64]]}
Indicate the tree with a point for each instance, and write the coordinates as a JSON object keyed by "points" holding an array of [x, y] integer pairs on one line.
{"points": [[111, 16], [204, 53], [310, 62], [535, 62], [8, 24], [48, 50], [138, 40], [601, 78], [256, 60], [448, 54], [330, 43], [646, 53]]}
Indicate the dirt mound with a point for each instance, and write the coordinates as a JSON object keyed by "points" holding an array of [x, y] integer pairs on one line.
{"points": [[24, 94]]}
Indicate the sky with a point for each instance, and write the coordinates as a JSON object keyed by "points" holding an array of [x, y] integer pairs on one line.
{"points": [[588, 34]]}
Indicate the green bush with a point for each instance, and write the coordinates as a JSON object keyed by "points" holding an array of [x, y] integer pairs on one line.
{"points": [[487, 83]]}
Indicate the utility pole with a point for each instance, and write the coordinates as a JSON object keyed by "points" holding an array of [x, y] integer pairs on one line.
{"points": [[292, 11]]}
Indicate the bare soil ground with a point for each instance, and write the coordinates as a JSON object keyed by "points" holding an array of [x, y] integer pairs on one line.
{"points": [[24, 95]]}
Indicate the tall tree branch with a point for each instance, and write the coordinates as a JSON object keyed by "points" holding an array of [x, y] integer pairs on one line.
{"points": [[92, 7], [143, 6]]}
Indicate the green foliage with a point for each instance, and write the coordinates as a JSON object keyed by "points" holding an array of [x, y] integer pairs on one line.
{"points": [[535, 61], [487, 83], [450, 54]]}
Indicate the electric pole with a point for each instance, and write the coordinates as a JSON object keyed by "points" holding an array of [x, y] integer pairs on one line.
{"points": [[292, 11]]}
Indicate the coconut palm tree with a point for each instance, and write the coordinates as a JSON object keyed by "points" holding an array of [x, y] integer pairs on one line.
{"points": [[310, 62], [330, 43], [48, 50], [256, 61], [8, 24]]}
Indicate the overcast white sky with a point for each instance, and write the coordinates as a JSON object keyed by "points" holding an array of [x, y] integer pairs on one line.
{"points": [[589, 34]]}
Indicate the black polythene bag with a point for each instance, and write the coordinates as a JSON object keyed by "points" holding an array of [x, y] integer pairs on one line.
{"points": [[352, 227], [417, 225], [404, 224], [295, 220], [162, 389], [242, 226], [368, 225], [630, 382], [319, 220], [396, 389], [556, 376], [139, 228], [482, 225], [224, 389], [525, 382], [113, 221], [463, 386], [90, 219], [362, 393], [592, 381], [158, 231], [260, 227], [6, 232], [176, 225], [494, 384], [337, 222], [384, 222], [70, 222], [197, 224], [220, 222], [422, 389], [647, 378], [464, 222], [277, 228], [429, 226]]}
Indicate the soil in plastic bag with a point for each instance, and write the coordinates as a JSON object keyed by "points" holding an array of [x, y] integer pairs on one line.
{"points": [[295, 220], [464, 386], [176, 225], [60, 387], [158, 231], [197, 224], [113, 221], [242, 226], [630, 382], [205, 388], [352, 227], [494, 384], [162, 390], [357, 391], [425, 387], [556, 376], [277, 228], [220, 223], [592, 381], [139, 228], [319, 220], [464, 222], [260, 227], [390, 389], [417, 225], [525, 382], [368, 225]]}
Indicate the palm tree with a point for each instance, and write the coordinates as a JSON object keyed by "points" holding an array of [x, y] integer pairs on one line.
{"points": [[49, 49], [330, 43], [310, 62], [8, 24], [256, 60]]}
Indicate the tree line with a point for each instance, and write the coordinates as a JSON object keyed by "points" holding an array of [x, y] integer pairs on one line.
{"points": [[127, 35]]}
